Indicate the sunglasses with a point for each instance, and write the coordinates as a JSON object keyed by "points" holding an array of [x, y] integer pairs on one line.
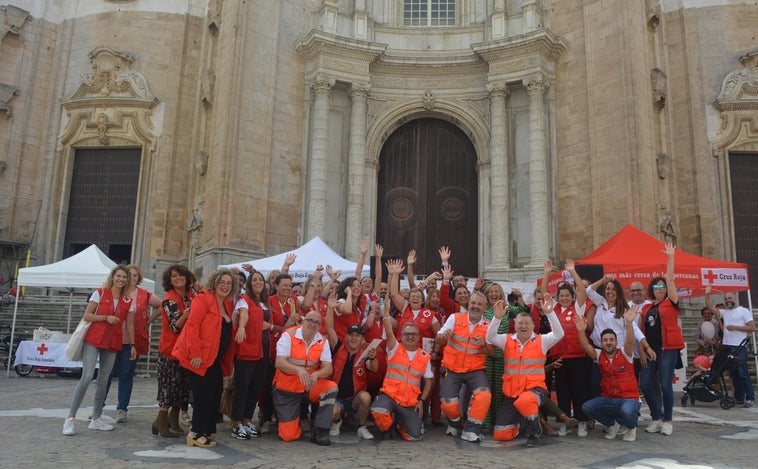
{"points": [[659, 287]]}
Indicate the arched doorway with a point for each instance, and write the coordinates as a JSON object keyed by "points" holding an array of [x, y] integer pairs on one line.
{"points": [[427, 195]]}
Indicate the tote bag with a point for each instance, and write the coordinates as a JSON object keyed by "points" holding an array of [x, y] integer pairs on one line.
{"points": [[76, 342]]}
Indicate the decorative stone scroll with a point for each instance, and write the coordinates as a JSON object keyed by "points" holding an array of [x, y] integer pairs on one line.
{"points": [[14, 19], [738, 104], [7, 92]]}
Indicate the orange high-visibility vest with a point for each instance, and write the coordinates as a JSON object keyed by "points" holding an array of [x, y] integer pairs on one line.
{"points": [[461, 355], [310, 359], [524, 369], [404, 377]]}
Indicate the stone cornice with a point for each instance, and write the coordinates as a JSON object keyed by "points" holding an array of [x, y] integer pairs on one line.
{"points": [[318, 43], [429, 64], [541, 42]]}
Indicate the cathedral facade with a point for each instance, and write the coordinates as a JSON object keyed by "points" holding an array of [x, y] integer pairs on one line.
{"points": [[214, 131]]}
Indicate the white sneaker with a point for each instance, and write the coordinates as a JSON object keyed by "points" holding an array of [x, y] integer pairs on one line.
{"points": [[581, 429], [630, 435], [335, 428], [364, 433], [120, 416], [451, 430], [654, 427], [68, 426], [622, 430], [667, 428], [563, 430], [470, 436], [98, 424], [612, 431]]}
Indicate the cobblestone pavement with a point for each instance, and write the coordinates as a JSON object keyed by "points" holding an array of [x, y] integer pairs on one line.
{"points": [[32, 411]]}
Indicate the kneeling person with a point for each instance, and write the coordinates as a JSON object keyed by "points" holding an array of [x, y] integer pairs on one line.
{"points": [[464, 363], [401, 393], [351, 379], [619, 401], [303, 363]]}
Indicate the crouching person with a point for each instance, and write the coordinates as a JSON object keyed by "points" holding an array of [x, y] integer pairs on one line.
{"points": [[619, 401], [524, 388], [303, 362]]}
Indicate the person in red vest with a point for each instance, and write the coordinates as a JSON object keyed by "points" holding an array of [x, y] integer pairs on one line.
{"points": [[463, 364], [204, 350], [408, 369], [619, 401], [303, 366], [524, 388], [351, 377], [413, 310], [107, 311]]}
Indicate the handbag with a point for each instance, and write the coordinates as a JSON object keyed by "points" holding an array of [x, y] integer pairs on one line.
{"points": [[76, 342]]}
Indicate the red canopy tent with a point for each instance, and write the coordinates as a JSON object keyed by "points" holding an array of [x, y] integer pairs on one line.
{"points": [[632, 254]]}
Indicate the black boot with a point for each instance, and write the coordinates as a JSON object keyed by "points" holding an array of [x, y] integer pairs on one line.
{"points": [[320, 436]]}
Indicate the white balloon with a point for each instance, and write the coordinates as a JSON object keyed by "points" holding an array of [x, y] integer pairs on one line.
{"points": [[707, 330]]}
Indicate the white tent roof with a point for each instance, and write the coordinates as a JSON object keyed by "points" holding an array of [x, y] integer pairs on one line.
{"points": [[87, 269], [309, 255]]}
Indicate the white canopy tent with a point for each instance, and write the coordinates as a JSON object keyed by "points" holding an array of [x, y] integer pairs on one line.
{"points": [[87, 269], [309, 255]]}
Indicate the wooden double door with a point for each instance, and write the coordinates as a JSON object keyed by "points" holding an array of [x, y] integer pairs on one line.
{"points": [[427, 196]]}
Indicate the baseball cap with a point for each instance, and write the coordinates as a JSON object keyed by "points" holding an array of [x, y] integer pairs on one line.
{"points": [[355, 328]]}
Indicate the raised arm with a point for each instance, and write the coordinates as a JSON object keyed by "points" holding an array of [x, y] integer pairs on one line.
{"points": [[395, 267], [387, 319], [548, 269], [709, 303], [310, 294], [670, 286], [378, 254], [629, 316], [581, 327], [581, 294], [288, 261], [330, 332], [361, 259], [411, 260]]}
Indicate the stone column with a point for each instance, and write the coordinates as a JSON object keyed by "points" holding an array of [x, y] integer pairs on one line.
{"points": [[501, 252], [356, 169], [538, 181], [322, 88]]}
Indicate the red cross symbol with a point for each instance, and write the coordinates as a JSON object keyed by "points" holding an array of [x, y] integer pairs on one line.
{"points": [[710, 277], [42, 349]]}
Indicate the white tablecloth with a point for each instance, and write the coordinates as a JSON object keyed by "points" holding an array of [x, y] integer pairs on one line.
{"points": [[44, 354]]}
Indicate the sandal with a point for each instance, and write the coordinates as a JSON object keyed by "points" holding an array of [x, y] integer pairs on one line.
{"points": [[201, 441]]}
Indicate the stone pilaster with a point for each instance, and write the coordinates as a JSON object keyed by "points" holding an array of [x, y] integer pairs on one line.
{"points": [[501, 252], [322, 89], [356, 169], [538, 181]]}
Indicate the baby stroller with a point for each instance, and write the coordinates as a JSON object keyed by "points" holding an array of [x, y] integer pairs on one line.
{"points": [[711, 385]]}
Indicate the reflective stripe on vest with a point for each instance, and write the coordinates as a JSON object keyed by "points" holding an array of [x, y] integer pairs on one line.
{"points": [[524, 366], [404, 377], [461, 354]]}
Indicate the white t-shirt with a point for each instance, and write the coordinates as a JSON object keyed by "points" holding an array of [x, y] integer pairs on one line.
{"points": [[450, 324], [739, 316], [284, 346], [428, 373]]}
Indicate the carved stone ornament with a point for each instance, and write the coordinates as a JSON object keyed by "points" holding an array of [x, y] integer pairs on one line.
{"points": [[14, 19], [658, 83], [428, 99], [738, 103], [7, 92], [111, 105], [201, 162], [663, 165], [113, 79], [207, 84], [196, 220]]}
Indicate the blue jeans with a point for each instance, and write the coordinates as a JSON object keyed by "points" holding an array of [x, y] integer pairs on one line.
{"points": [[607, 411], [660, 371], [743, 384], [124, 369]]}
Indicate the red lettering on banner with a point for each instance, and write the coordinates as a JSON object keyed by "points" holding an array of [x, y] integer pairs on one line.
{"points": [[42, 349]]}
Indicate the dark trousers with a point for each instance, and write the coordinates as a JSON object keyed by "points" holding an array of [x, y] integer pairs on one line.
{"points": [[573, 385], [248, 382], [206, 397]]}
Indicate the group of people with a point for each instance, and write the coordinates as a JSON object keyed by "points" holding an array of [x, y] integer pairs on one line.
{"points": [[363, 348]]}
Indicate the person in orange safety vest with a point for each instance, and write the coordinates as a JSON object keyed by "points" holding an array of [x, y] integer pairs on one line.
{"points": [[464, 363], [303, 364], [408, 367], [524, 386]]}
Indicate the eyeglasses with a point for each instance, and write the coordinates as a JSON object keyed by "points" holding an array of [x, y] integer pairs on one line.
{"points": [[313, 321], [410, 334], [659, 286]]}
